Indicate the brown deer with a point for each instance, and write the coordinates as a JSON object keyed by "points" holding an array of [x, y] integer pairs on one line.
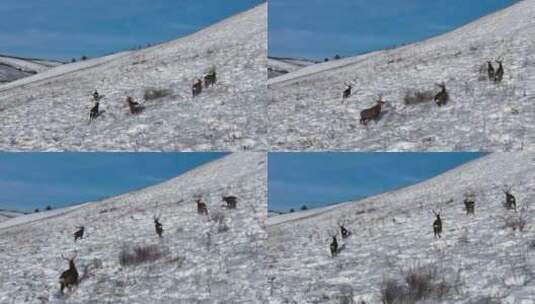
{"points": [[231, 201], [469, 206], [201, 207], [158, 226], [79, 234], [490, 71], [210, 79], [510, 199], [437, 225], [442, 97], [334, 246], [499, 72], [343, 230], [197, 87], [372, 113], [135, 107], [347, 92], [69, 277], [94, 113]]}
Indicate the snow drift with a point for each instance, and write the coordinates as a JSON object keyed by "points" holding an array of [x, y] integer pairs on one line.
{"points": [[306, 110]]}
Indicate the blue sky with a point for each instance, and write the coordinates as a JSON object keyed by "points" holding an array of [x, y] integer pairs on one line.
{"points": [[34, 180], [317, 29], [64, 29], [318, 179]]}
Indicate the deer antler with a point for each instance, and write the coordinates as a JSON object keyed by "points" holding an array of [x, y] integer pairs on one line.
{"points": [[67, 259]]}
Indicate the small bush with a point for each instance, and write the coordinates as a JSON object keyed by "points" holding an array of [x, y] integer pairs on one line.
{"points": [[418, 283], [139, 255], [152, 93], [516, 222], [392, 291], [218, 217], [413, 97]]}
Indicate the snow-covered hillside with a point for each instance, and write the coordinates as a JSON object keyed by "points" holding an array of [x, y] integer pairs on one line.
{"points": [[50, 111], [280, 66], [306, 109], [13, 68], [204, 259], [477, 260], [7, 215]]}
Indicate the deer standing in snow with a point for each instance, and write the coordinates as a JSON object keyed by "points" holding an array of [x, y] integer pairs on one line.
{"points": [[79, 234], [372, 113], [69, 277], [437, 224], [442, 97], [158, 226]]}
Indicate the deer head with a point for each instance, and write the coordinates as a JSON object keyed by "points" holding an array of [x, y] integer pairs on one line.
{"points": [[71, 260]]}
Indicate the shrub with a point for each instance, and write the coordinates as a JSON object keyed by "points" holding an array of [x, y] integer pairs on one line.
{"points": [[392, 291], [139, 255], [219, 218], [152, 93], [420, 282], [413, 97], [515, 222]]}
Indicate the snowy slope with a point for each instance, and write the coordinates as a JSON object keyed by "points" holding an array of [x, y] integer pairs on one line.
{"points": [[8, 215], [13, 68], [479, 258], [306, 110], [214, 259], [280, 66], [50, 111]]}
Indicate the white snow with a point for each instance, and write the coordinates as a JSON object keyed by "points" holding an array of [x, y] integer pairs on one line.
{"points": [[393, 231], [205, 261], [280, 66], [306, 110], [7, 215], [50, 111]]}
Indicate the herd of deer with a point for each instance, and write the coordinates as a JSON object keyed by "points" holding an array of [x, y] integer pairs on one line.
{"points": [[441, 98], [209, 78], [134, 106], [70, 277], [469, 204]]}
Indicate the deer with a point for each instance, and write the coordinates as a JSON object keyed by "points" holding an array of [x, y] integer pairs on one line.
{"points": [[231, 201], [510, 199], [345, 233], [158, 226], [197, 87], [79, 234], [201, 207], [469, 206], [69, 277], [372, 113], [343, 230], [437, 225], [334, 246], [490, 70], [442, 97], [210, 78], [135, 107], [499, 72], [347, 92], [93, 114]]}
